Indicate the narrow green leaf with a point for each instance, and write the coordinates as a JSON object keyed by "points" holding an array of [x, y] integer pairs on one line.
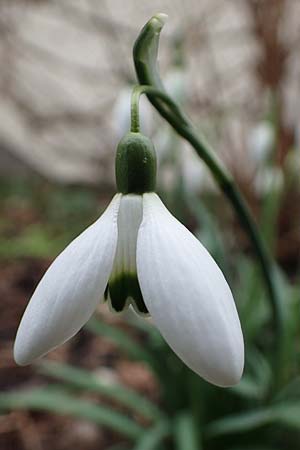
{"points": [[270, 210], [287, 414], [145, 326], [247, 388], [260, 366], [256, 383], [210, 233], [154, 355], [133, 349], [239, 423], [290, 391], [83, 379], [58, 401], [185, 434], [253, 308], [253, 447], [152, 438]]}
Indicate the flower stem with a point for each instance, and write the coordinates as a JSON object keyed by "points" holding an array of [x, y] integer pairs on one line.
{"points": [[134, 109], [137, 91], [145, 59]]}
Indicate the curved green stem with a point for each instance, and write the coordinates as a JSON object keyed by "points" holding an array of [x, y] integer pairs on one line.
{"points": [[137, 91], [134, 109], [145, 60]]}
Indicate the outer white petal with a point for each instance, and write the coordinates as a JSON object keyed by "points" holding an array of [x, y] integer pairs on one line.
{"points": [[188, 296], [70, 290]]}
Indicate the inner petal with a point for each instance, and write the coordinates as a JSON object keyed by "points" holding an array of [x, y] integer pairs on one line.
{"points": [[123, 286]]}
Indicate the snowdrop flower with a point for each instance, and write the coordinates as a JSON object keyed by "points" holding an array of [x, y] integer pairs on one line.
{"points": [[138, 254], [261, 141], [268, 179]]}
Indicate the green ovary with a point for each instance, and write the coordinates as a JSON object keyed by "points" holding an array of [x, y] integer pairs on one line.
{"points": [[124, 289]]}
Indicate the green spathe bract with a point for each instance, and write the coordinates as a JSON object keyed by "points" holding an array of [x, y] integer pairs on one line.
{"points": [[135, 164]]}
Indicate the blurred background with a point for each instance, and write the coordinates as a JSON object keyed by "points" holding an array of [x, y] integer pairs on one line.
{"points": [[65, 81]]}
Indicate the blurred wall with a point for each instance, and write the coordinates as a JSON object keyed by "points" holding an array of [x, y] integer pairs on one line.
{"points": [[65, 64]]}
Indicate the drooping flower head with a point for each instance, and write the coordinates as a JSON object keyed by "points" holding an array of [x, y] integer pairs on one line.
{"points": [[137, 254]]}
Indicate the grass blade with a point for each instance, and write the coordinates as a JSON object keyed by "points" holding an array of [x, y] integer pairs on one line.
{"points": [[287, 414], [284, 414], [58, 401], [83, 379], [240, 423], [127, 344], [152, 438], [185, 433]]}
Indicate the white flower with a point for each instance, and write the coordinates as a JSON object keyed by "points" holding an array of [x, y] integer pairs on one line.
{"points": [[268, 179], [261, 141], [137, 253]]}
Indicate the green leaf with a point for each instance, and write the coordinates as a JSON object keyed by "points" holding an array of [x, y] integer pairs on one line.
{"points": [[185, 434], [132, 348], [287, 414], [270, 209], [284, 414], [253, 309], [290, 391], [252, 447], [256, 383], [152, 438], [85, 380], [240, 423], [56, 400], [210, 233], [145, 326], [248, 387]]}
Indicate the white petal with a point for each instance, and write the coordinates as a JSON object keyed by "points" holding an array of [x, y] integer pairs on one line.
{"points": [[70, 290], [188, 296]]}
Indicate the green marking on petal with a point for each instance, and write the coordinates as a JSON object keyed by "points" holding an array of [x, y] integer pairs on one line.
{"points": [[117, 290], [125, 289], [106, 293]]}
